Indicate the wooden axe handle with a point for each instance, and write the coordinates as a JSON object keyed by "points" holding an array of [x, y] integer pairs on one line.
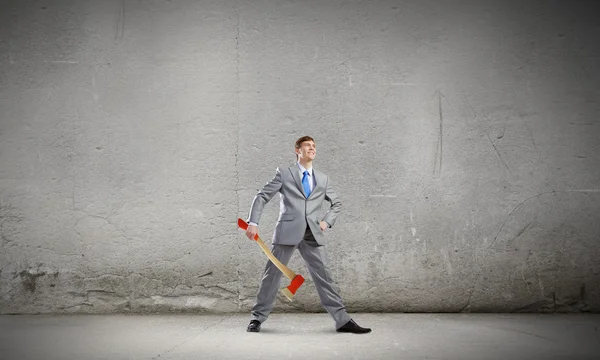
{"points": [[284, 269]]}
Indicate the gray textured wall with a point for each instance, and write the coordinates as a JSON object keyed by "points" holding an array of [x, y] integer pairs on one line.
{"points": [[462, 136]]}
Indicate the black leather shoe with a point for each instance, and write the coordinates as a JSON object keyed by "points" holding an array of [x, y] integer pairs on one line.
{"points": [[254, 326], [352, 327]]}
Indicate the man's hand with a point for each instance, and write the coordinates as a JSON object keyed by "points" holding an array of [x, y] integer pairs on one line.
{"points": [[323, 225], [251, 231]]}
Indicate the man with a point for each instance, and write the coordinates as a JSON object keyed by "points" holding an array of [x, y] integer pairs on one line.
{"points": [[302, 190]]}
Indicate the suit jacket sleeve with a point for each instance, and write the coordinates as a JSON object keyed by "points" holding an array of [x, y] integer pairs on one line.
{"points": [[336, 204], [264, 196]]}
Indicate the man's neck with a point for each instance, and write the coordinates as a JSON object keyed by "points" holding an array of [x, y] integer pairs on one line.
{"points": [[306, 164]]}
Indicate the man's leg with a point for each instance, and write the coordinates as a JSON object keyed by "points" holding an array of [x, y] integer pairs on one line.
{"points": [[270, 283], [316, 261]]}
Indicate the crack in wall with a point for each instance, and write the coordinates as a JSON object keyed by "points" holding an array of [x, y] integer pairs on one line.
{"points": [[490, 247], [120, 23], [517, 207], [440, 144], [486, 133], [237, 146]]}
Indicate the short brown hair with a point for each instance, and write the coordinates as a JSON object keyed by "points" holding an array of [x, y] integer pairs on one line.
{"points": [[301, 140]]}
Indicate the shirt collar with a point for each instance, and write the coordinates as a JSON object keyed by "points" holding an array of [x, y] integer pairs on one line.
{"points": [[302, 169]]}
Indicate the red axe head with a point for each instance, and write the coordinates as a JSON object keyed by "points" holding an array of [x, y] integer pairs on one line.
{"points": [[290, 291]]}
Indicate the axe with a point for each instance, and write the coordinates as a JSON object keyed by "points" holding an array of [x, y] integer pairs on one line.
{"points": [[296, 280]]}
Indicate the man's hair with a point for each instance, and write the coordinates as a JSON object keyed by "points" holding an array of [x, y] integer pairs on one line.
{"points": [[301, 140]]}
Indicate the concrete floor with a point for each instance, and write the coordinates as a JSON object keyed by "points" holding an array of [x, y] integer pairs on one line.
{"points": [[300, 336]]}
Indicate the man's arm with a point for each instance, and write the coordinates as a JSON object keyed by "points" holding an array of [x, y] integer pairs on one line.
{"points": [[262, 198], [336, 204]]}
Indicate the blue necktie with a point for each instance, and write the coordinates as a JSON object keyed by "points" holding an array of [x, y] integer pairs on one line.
{"points": [[305, 184]]}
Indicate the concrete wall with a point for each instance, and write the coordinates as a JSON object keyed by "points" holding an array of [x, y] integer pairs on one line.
{"points": [[462, 136]]}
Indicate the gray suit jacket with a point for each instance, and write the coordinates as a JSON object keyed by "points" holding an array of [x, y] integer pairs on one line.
{"points": [[295, 210]]}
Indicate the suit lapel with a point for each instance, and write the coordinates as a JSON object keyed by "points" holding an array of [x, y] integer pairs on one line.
{"points": [[318, 181], [294, 170]]}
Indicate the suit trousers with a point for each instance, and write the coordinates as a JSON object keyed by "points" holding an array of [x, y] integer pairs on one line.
{"points": [[316, 261]]}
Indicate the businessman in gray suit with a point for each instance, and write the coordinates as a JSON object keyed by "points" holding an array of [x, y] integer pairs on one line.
{"points": [[302, 190]]}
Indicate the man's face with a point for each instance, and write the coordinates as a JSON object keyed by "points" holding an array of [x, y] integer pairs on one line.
{"points": [[307, 150]]}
